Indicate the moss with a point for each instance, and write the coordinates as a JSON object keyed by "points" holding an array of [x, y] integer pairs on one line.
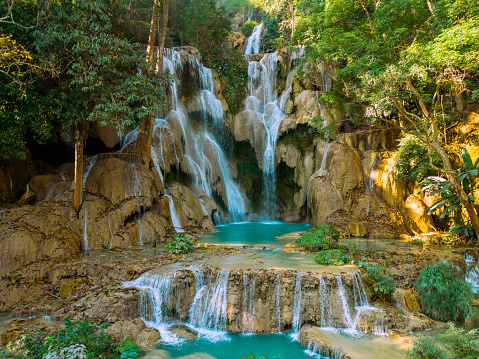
{"points": [[330, 257]]}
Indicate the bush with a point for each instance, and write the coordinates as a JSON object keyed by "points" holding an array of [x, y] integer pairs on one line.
{"points": [[330, 257], [454, 344], [247, 27], [91, 335], [180, 245], [320, 238], [411, 160], [444, 293], [417, 242], [383, 284]]}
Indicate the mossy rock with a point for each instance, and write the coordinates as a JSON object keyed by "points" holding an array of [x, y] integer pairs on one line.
{"points": [[330, 257]]}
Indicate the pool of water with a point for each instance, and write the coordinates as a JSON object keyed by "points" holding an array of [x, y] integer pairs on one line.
{"points": [[254, 233], [238, 346]]}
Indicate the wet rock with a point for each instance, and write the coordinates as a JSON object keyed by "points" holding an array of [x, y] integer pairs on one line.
{"points": [[183, 331], [148, 338], [313, 339], [306, 106], [358, 229], [10, 335], [406, 300], [68, 287], [107, 134]]}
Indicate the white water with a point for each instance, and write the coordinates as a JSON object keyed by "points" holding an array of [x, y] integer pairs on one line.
{"points": [[252, 45], [263, 99], [278, 301], [249, 301], [296, 324], [86, 246], [472, 272], [111, 233], [325, 304]]}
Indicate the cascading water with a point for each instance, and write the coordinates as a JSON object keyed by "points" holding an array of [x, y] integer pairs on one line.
{"points": [[86, 245], [249, 298], [278, 301], [263, 99], [252, 45], [296, 324], [325, 304]]}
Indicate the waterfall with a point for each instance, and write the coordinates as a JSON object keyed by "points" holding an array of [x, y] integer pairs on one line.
{"points": [[252, 45], [325, 304], [472, 272], [296, 323], [111, 233], [278, 301], [86, 246], [209, 305], [348, 320], [249, 301], [263, 99], [174, 215]]}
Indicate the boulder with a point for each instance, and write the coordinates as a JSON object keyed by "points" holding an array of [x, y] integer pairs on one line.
{"points": [[125, 328], [183, 331], [148, 338], [247, 126]]}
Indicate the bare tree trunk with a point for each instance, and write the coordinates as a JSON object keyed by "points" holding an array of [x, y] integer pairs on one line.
{"points": [[78, 178], [147, 124], [152, 37], [460, 103]]}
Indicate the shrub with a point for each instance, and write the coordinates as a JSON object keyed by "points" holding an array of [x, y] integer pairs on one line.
{"points": [[383, 284], [417, 242], [91, 335], [320, 238], [247, 27], [330, 257], [411, 160], [180, 245], [454, 344], [253, 356], [443, 292]]}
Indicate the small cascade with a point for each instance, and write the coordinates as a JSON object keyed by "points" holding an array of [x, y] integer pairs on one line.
{"points": [[348, 320], [472, 272], [174, 215], [86, 246], [209, 305], [111, 233], [88, 169], [252, 45], [321, 352], [325, 304], [137, 194], [249, 300], [296, 324], [278, 301], [359, 292]]}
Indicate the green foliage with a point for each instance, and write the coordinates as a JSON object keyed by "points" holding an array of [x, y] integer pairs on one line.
{"points": [[334, 257], [270, 34], [180, 245], [302, 138], [127, 349], [456, 343], [235, 68], [383, 284], [444, 293], [253, 356], [417, 242], [319, 238], [247, 27], [448, 201], [98, 345], [355, 248], [411, 160]]}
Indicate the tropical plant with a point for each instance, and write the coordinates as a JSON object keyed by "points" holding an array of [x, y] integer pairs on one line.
{"points": [[320, 238], [127, 349], [382, 283], [443, 292], [448, 200], [456, 343], [179, 245]]}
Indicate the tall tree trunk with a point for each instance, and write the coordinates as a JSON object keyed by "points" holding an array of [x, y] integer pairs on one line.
{"points": [[152, 37], [78, 178], [147, 124]]}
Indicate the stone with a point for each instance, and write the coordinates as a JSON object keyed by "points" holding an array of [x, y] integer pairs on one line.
{"points": [[358, 229], [68, 287], [148, 338], [127, 328], [107, 134], [418, 212], [183, 331]]}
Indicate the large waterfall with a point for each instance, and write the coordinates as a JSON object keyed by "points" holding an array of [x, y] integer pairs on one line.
{"points": [[263, 100], [178, 143]]}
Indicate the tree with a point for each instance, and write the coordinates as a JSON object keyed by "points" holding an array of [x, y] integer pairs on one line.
{"points": [[98, 76], [400, 63], [145, 132]]}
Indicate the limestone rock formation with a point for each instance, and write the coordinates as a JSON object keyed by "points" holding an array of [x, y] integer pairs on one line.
{"points": [[417, 211]]}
